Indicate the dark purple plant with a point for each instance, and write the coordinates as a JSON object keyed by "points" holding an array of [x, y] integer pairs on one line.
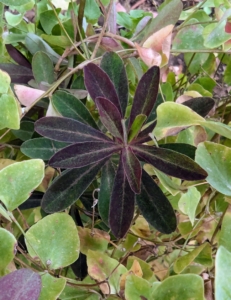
{"points": [[91, 150]]}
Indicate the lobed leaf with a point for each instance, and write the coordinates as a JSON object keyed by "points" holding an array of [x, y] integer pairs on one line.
{"points": [[68, 130], [110, 116], [170, 162], [68, 187], [146, 93], [71, 107], [122, 204], [42, 148], [132, 169], [99, 84], [154, 206], [113, 65], [83, 154]]}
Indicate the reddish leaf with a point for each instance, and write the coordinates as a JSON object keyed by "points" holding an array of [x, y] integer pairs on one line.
{"points": [[110, 117], [18, 56], [99, 84], [146, 94], [68, 187], [68, 130], [170, 162], [18, 74], [132, 169], [154, 206], [83, 154], [21, 284], [122, 204]]}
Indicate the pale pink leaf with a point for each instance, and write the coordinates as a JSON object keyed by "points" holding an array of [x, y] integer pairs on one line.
{"points": [[149, 56], [120, 7], [27, 95]]}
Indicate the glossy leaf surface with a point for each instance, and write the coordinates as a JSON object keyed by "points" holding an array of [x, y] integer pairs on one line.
{"points": [[154, 206], [99, 84], [56, 250], [8, 245], [146, 93], [18, 180], [21, 284], [71, 107], [68, 130], [122, 204], [107, 181], [113, 65], [170, 162], [110, 116], [42, 148], [83, 154], [68, 187], [132, 169]]}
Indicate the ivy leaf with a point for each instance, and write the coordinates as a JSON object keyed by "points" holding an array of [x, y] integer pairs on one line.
{"points": [[154, 206], [146, 93], [99, 84], [110, 116], [68, 130], [68, 187], [170, 162], [122, 204], [113, 65], [83, 154]]}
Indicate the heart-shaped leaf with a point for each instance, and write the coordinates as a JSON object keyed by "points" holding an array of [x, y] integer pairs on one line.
{"points": [[122, 204], [99, 84], [68, 187], [18, 180], [83, 154], [154, 206], [20, 284], [68, 130], [113, 65], [170, 162], [60, 241]]}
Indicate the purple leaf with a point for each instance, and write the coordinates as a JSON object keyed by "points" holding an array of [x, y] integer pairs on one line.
{"points": [[110, 117], [132, 169], [83, 154], [143, 136], [122, 204], [146, 94], [18, 74], [154, 206], [99, 84], [170, 162], [68, 187], [17, 56], [201, 105], [21, 284], [68, 130]]}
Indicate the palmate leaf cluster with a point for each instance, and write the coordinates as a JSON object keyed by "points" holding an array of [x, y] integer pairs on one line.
{"points": [[92, 149]]}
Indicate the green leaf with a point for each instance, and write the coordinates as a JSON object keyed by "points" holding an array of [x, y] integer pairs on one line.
{"points": [[71, 107], [25, 132], [169, 184], [106, 185], [13, 20], [91, 11], [227, 74], [60, 241], [224, 237], [48, 20], [100, 267], [154, 206], [9, 117], [52, 287], [7, 248], [113, 65], [42, 67], [136, 126], [198, 88], [68, 187], [146, 268], [222, 276], [216, 160], [5, 82], [188, 203], [18, 180], [180, 287], [137, 288], [15, 2], [42, 148], [182, 262]]}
